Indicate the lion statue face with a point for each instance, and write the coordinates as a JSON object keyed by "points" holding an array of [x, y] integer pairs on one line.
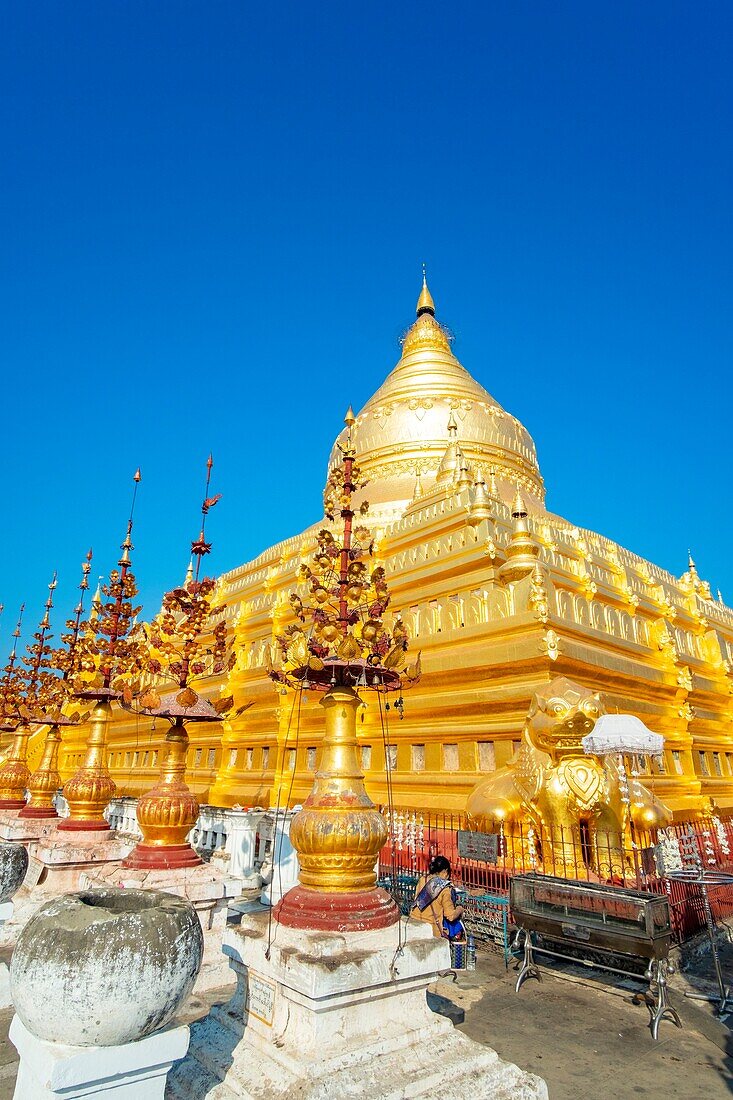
{"points": [[560, 715]]}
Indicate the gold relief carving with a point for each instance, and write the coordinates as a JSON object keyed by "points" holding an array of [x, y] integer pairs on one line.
{"points": [[538, 595], [583, 780], [662, 637], [686, 712], [713, 650], [632, 599], [684, 678], [550, 645], [590, 587]]}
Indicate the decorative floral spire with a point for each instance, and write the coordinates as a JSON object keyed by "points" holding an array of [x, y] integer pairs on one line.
{"points": [[44, 691], [69, 658], [110, 642], [187, 640], [340, 636]]}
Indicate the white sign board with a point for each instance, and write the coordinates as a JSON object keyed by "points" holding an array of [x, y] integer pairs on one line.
{"points": [[260, 997]]}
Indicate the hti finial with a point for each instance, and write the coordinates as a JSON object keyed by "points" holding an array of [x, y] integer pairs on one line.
{"points": [[137, 478], [200, 546], [425, 303], [45, 622], [519, 508], [16, 633]]}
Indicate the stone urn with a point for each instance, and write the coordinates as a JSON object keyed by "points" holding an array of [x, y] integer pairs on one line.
{"points": [[13, 867], [105, 967]]}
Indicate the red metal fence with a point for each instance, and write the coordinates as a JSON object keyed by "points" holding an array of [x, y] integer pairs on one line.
{"points": [[416, 836]]}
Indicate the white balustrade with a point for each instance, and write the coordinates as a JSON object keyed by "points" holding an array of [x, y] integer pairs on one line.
{"points": [[60, 804], [121, 813], [246, 843], [277, 858]]}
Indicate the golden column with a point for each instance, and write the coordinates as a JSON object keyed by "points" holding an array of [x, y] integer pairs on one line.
{"points": [[182, 647], [339, 832], [31, 689], [113, 657]]}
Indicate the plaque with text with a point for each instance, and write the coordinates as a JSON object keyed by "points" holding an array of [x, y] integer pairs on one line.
{"points": [[483, 847], [260, 998], [33, 874]]}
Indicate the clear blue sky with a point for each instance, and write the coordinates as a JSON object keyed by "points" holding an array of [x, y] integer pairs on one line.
{"points": [[213, 217]]}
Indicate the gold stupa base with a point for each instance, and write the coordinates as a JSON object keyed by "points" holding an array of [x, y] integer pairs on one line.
{"points": [[46, 780], [167, 814], [91, 789], [338, 836], [354, 911]]}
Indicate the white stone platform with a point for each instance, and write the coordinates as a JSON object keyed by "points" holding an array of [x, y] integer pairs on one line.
{"points": [[25, 830], [57, 861], [333, 1016], [207, 887], [135, 1071]]}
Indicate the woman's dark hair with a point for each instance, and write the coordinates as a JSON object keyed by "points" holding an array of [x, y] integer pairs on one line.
{"points": [[438, 864]]}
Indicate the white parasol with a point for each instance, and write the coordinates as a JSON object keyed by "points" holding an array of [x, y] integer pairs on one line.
{"points": [[622, 733]]}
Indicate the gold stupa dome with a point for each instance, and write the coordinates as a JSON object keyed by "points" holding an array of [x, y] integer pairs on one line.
{"points": [[403, 429]]}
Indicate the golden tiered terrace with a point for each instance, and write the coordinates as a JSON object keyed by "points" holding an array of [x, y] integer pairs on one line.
{"points": [[500, 595]]}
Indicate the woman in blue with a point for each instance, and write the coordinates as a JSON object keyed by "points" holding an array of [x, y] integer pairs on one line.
{"points": [[435, 901]]}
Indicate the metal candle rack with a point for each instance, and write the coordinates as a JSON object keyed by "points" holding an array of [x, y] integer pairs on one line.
{"points": [[698, 876]]}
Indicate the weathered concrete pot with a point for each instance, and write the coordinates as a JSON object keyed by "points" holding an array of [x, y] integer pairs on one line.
{"points": [[13, 867], [105, 967]]}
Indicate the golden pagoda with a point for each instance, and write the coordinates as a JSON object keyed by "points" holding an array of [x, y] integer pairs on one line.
{"points": [[499, 594]]}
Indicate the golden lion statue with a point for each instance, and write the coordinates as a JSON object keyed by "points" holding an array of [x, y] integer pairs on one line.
{"points": [[574, 811]]}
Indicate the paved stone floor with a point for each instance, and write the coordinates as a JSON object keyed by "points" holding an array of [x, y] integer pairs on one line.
{"points": [[8, 1057], [581, 1033]]}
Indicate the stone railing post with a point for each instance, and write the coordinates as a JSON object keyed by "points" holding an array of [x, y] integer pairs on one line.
{"points": [[241, 844], [284, 867]]}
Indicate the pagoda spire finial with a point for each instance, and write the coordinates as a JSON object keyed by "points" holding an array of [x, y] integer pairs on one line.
{"points": [[449, 467], [425, 303]]}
